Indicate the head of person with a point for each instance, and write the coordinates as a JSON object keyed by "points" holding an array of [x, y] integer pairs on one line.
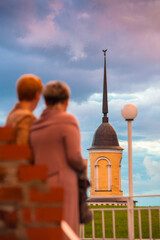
{"points": [[29, 88], [57, 94]]}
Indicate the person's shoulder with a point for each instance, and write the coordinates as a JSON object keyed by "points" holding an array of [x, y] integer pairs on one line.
{"points": [[19, 116], [25, 116], [29, 117], [69, 118]]}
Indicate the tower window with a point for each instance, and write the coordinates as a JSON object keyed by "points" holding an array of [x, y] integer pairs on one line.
{"points": [[103, 179]]}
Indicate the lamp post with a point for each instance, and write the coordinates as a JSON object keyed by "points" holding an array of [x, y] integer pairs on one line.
{"points": [[129, 112]]}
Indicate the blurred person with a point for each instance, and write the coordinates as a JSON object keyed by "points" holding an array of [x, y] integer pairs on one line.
{"points": [[29, 88], [55, 141]]}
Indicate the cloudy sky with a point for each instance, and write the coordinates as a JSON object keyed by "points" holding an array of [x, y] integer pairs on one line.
{"points": [[63, 40]]}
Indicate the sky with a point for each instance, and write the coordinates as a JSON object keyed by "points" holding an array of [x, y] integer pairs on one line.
{"points": [[63, 40]]}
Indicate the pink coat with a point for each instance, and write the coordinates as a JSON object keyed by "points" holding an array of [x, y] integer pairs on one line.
{"points": [[55, 141]]}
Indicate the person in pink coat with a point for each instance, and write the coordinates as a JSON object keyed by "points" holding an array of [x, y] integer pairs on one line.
{"points": [[55, 141]]}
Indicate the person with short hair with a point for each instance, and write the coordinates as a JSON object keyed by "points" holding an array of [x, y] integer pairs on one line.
{"points": [[29, 88], [55, 141]]}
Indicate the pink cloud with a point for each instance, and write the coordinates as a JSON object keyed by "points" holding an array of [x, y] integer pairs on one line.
{"points": [[44, 32], [57, 5], [130, 29], [83, 15], [127, 28], [40, 32]]}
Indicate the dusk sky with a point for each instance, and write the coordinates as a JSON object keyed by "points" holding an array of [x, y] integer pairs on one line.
{"points": [[63, 40]]}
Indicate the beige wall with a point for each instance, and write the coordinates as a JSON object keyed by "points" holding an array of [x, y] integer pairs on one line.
{"points": [[102, 160]]}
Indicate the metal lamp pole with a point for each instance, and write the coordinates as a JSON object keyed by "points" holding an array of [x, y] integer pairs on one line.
{"points": [[130, 174], [129, 112]]}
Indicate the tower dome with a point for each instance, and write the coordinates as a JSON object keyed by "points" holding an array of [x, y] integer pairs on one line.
{"points": [[105, 137]]}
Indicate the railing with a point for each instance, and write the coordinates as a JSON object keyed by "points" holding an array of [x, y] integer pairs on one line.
{"points": [[68, 231], [145, 220]]}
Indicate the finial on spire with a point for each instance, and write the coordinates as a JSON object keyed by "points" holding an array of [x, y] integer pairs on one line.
{"points": [[104, 52], [105, 98]]}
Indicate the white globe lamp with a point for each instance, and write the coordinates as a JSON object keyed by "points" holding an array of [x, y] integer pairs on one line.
{"points": [[129, 112]]}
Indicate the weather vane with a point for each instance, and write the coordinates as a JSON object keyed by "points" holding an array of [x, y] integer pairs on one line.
{"points": [[104, 52]]}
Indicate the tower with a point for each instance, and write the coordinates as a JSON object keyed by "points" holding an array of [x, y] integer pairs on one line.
{"points": [[105, 155]]}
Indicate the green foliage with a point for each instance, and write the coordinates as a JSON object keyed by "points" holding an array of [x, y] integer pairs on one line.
{"points": [[121, 223]]}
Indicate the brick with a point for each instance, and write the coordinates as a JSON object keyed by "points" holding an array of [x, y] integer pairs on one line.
{"points": [[7, 236], [11, 194], [26, 215], [2, 174], [6, 134], [9, 218], [54, 194], [33, 172], [44, 233], [15, 152], [48, 214]]}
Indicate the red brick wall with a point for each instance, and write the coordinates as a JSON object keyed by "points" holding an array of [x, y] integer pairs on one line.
{"points": [[29, 209]]}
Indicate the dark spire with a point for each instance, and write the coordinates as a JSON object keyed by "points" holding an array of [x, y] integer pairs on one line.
{"points": [[105, 98]]}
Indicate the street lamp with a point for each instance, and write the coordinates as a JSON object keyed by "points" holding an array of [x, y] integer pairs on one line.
{"points": [[129, 113]]}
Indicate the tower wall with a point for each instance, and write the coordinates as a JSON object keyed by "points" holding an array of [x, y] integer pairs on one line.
{"points": [[111, 171]]}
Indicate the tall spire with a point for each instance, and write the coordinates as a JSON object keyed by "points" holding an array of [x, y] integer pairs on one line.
{"points": [[105, 97]]}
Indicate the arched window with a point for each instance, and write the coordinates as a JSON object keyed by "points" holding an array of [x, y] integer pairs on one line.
{"points": [[103, 174]]}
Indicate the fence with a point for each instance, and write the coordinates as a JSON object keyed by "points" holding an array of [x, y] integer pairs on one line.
{"points": [[113, 223]]}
